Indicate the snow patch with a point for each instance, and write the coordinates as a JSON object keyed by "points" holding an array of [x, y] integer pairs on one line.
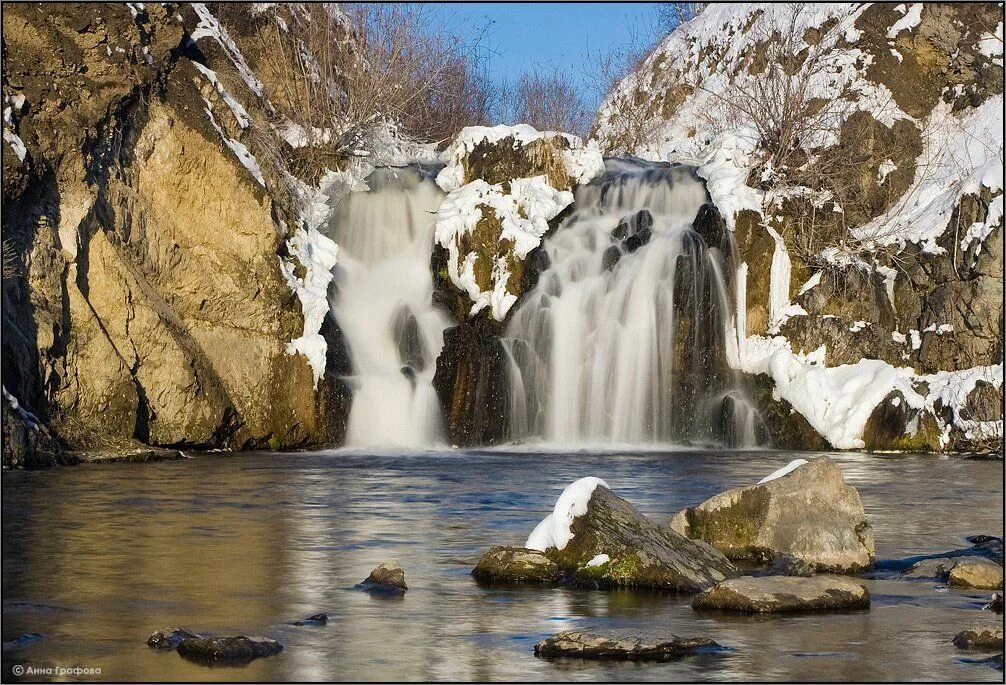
{"points": [[785, 470], [599, 560], [554, 529]]}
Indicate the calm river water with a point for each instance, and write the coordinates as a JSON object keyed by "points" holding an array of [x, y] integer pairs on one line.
{"points": [[97, 557]]}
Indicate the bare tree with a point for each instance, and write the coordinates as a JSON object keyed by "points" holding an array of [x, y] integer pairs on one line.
{"points": [[674, 14], [548, 99]]}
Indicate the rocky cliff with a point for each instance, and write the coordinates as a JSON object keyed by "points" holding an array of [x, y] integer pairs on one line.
{"points": [[855, 151], [160, 260]]}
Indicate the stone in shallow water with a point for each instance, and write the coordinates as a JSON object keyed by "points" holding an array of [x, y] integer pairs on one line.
{"points": [[227, 650], [775, 594], [986, 637], [996, 604], [515, 565], [621, 644], [976, 572], [315, 620], [809, 514], [169, 638], [641, 553], [388, 576], [935, 569]]}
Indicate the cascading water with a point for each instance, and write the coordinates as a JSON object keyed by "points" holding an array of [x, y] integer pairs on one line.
{"points": [[382, 300], [624, 339]]}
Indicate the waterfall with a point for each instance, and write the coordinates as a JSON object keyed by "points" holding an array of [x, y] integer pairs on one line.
{"points": [[382, 299], [624, 338]]}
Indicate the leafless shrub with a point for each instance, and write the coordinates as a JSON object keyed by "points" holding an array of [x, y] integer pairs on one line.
{"points": [[547, 99], [674, 14], [11, 260]]}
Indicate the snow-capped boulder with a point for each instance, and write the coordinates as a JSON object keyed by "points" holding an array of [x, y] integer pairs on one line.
{"points": [[808, 513], [505, 185], [775, 594], [603, 541]]}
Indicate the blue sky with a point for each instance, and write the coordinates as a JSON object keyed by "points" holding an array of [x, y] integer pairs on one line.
{"points": [[522, 35]]}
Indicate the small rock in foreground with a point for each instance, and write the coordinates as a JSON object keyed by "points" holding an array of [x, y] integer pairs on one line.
{"points": [[986, 637], [170, 638], [976, 572], [776, 594], [515, 565], [227, 650], [996, 604], [388, 576], [620, 644]]}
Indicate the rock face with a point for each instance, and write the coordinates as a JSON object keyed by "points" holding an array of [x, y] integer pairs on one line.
{"points": [[515, 565], [641, 553], [986, 637], [471, 383], [620, 645], [386, 576], [772, 594], [227, 650], [145, 300], [809, 514], [976, 572]]}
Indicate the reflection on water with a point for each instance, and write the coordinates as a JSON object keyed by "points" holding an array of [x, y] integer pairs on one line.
{"points": [[97, 557]]}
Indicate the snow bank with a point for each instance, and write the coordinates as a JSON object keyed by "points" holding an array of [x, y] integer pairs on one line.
{"points": [[554, 529], [785, 470]]}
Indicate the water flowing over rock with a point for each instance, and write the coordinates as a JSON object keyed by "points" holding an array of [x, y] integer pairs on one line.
{"points": [[640, 552], [774, 594], [630, 349], [809, 514], [621, 644], [382, 300]]}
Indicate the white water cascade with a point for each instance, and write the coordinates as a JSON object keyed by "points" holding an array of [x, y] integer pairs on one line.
{"points": [[382, 300], [624, 338]]}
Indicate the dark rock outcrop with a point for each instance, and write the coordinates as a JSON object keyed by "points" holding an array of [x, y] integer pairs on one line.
{"points": [[774, 594], [227, 651], [809, 514], [621, 644], [170, 638]]}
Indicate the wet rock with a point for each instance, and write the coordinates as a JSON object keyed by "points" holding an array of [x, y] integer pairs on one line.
{"points": [[631, 233], [638, 239], [170, 638], [773, 594], [996, 604], [710, 225], [641, 553], [610, 258], [620, 644], [976, 572], [986, 637], [628, 226], [935, 569], [788, 565], [386, 576], [515, 565], [227, 650], [315, 620], [809, 514], [22, 640]]}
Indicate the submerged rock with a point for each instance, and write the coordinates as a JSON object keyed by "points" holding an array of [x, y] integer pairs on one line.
{"points": [[515, 565], [773, 594], [315, 620], [170, 638], [620, 644], [976, 572], [809, 514], [227, 650], [22, 640], [641, 553], [987, 637], [386, 576]]}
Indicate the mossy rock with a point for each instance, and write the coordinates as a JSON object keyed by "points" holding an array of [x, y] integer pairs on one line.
{"points": [[515, 566]]}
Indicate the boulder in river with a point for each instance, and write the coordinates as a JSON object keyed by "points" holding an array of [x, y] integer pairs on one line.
{"points": [[985, 637], [621, 644], [170, 638], [233, 651], [775, 594], [808, 513], [515, 565], [976, 572], [387, 576], [603, 541]]}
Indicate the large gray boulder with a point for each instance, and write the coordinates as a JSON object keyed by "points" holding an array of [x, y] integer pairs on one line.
{"points": [[809, 514], [620, 644], [640, 553], [776, 594]]}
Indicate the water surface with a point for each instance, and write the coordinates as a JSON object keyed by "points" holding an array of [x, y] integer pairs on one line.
{"points": [[97, 557]]}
